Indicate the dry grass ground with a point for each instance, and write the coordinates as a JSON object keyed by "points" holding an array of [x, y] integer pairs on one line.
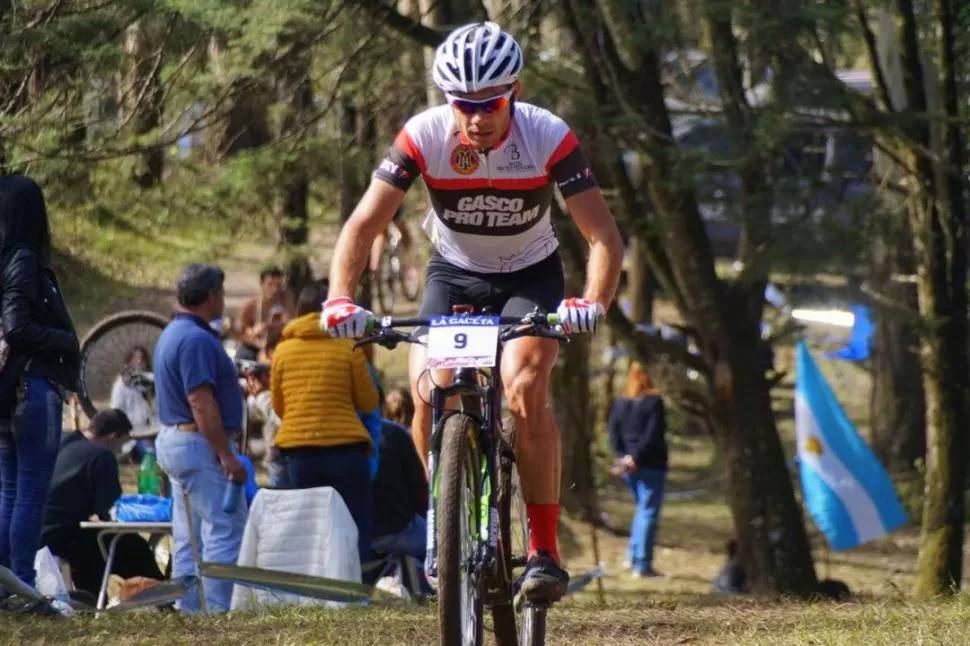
{"points": [[676, 608]]}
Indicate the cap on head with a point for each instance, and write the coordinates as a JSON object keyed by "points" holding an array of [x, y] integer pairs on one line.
{"points": [[197, 282], [476, 57]]}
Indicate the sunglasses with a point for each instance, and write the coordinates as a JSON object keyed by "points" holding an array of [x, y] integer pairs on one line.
{"points": [[488, 106]]}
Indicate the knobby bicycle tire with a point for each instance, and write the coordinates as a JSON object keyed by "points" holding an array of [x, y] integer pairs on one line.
{"points": [[458, 473], [98, 332]]}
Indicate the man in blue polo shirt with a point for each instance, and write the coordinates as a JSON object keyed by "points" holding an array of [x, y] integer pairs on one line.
{"points": [[200, 407]]}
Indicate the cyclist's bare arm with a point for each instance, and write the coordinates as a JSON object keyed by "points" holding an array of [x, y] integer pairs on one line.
{"points": [[373, 214], [595, 222]]}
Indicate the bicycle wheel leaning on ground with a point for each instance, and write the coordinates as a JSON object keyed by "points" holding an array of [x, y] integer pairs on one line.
{"points": [[103, 352]]}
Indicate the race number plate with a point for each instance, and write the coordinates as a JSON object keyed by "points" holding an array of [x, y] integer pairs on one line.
{"points": [[461, 341]]}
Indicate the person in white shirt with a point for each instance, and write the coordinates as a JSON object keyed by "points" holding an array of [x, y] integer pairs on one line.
{"points": [[134, 398]]}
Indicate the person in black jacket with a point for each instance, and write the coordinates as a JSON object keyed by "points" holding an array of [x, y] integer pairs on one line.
{"points": [[637, 429], [40, 364], [400, 495]]}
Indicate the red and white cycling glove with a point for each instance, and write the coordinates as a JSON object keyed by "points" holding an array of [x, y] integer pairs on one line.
{"points": [[343, 318], [580, 315]]}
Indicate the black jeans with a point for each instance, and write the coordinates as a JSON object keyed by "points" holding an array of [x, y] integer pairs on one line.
{"points": [[133, 557], [345, 468]]}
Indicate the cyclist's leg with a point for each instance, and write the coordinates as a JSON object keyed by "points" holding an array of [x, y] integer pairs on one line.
{"points": [[526, 368], [446, 286]]}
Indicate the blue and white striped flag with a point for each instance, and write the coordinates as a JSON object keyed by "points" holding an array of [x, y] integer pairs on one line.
{"points": [[847, 492]]}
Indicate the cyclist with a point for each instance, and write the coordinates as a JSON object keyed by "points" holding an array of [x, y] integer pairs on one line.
{"points": [[490, 163], [377, 249]]}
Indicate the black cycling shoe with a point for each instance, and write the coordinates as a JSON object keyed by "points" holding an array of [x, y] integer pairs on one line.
{"points": [[543, 580]]}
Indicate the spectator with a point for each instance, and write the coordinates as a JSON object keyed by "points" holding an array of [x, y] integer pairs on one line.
{"points": [[400, 496], [399, 407], [320, 386], [86, 484], [637, 429], [133, 397], [259, 401], [200, 407], [39, 364], [269, 310]]}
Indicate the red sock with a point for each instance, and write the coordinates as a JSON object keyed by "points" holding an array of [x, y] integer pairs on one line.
{"points": [[543, 522]]}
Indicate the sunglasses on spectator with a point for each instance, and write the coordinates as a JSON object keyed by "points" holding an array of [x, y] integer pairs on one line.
{"points": [[488, 106]]}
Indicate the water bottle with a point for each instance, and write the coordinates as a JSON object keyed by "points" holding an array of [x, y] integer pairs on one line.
{"points": [[230, 499], [149, 478]]}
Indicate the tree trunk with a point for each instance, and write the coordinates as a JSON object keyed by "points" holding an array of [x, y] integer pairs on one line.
{"points": [[295, 92], [773, 543], [245, 124], [640, 284], [141, 97], [897, 408], [941, 254], [571, 393]]}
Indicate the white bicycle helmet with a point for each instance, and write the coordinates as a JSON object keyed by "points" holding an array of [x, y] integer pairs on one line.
{"points": [[475, 57]]}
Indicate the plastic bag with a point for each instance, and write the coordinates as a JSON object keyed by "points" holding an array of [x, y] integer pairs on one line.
{"points": [[143, 508], [50, 582]]}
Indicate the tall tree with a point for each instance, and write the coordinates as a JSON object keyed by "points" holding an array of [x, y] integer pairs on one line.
{"points": [[623, 71], [939, 221], [141, 96]]}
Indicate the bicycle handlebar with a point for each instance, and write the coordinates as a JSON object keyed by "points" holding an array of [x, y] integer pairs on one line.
{"points": [[383, 330]]}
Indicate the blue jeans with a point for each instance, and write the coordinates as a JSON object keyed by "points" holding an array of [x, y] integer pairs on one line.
{"points": [[411, 541], [347, 470], [647, 486], [28, 451], [192, 466]]}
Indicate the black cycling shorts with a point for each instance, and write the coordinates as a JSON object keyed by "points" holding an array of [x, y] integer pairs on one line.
{"points": [[515, 293]]}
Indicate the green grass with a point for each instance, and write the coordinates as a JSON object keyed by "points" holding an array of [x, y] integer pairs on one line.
{"points": [[649, 621], [108, 260]]}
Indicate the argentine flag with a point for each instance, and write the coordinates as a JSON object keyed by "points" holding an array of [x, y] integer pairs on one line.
{"points": [[847, 492]]}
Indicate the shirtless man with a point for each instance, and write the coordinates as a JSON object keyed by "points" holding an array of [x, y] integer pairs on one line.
{"points": [[269, 310]]}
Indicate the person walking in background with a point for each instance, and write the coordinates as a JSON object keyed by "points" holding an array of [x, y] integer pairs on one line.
{"points": [[637, 433], [39, 365], [321, 387], [200, 407]]}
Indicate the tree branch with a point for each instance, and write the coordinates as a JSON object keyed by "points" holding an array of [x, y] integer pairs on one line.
{"points": [[882, 87], [396, 20], [648, 345]]}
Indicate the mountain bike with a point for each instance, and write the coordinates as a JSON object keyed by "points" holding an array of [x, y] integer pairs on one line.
{"points": [[392, 276], [477, 531]]}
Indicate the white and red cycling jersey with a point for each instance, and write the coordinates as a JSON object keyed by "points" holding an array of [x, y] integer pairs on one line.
{"points": [[490, 210]]}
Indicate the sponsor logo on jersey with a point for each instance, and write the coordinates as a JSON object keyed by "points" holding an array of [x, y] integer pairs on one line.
{"points": [[491, 211], [464, 160], [515, 163], [586, 173], [393, 169]]}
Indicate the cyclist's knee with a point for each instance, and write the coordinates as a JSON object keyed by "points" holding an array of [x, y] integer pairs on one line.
{"points": [[526, 390]]}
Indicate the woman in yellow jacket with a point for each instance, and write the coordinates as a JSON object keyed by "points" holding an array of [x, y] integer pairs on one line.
{"points": [[320, 386]]}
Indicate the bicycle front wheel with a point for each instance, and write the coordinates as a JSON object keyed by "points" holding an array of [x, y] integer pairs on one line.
{"points": [[460, 585]]}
